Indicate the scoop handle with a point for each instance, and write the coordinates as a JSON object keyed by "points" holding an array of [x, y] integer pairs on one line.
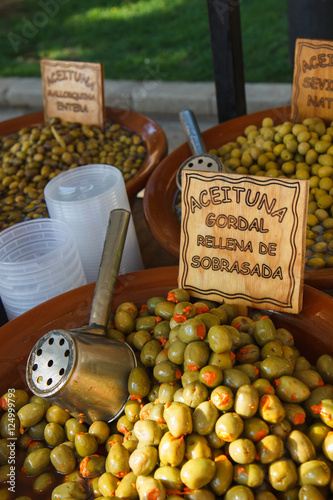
{"points": [[108, 269], [192, 131]]}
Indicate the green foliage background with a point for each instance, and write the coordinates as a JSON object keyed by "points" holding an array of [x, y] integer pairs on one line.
{"points": [[135, 38]]}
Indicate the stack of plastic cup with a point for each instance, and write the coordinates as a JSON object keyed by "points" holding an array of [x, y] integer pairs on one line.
{"points": [[83, 198], [38, 260]]}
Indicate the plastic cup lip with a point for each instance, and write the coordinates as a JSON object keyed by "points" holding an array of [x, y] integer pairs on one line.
{"points": [[43, 294], [7, 236], [68, 180], [21, 288]]}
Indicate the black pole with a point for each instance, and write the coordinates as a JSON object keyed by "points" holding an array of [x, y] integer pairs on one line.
{"points": [[226, 43], [309, 19]]}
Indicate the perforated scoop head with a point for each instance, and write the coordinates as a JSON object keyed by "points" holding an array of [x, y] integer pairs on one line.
{"points": [[50, 363], [202, 163], [84, 374]]}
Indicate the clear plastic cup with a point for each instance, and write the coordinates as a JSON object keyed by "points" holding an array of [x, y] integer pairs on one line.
{"points": [[83, 198], [39, 259]]}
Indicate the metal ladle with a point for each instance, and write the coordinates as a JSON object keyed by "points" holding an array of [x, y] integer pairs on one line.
{"points": [[201, 161], [81, 370]]}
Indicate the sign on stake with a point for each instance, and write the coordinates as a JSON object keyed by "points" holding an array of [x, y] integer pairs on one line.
{"points": [[73, 91], [243, 239], [313, 80]]}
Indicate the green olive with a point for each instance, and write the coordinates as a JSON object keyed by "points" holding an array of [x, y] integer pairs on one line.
{"points": [[242, 451], [264, 331], [124, 322], [165, 310], [196, 355], [192, 330], [231, 311], [126, 488], [309, 491], [138, 382], [309, 377], [140, 338], [117, 460], [143, 460], [197, 472], [211, 376], [44, 482], [249, 353], [54, 434], [37, 462], [315, 472], [197, 446], [324, 367], [107, 484], [167, 371], [57, 415], [147, 485], [85, 444], [167, 391], [246, 401], [219, 339], [171, 450], [92, 466], [317, 433], [148, 432], [270, 448], [70, 489], [229, 426], [169, 477], [101, 431], [251, 475], [36, 432], [178, 418], [300, 447], [263, 386], [30, 414], [271, 409], [176, 352], [204, 418], [14, 399], [195, 393], [239, 492], [283, 475], [72, 427], [222, 397], [63, 459], [275, 367], [152, 303], [234, 378]]}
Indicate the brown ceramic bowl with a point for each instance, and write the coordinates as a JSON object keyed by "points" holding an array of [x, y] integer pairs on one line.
{"points": [[311, 328], [147, 128], [161, 189]]}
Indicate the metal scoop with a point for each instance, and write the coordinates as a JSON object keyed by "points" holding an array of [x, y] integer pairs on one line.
{"points": [[201, 160], [83, 371]]}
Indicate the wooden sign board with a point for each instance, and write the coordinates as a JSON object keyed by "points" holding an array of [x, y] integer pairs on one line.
{"points": [[313, 80], [73, 91], [243, 239]]}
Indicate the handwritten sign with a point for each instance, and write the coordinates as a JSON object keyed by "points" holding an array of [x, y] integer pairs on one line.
{"points": [[313, 80], [73, 91], [243, 239]]}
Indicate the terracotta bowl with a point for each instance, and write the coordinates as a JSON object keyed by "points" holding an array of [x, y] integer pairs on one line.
{"points": [[161, 188], [147, 128], [311, 328]]}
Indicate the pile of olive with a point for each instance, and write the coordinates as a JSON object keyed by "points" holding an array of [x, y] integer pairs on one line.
{"points": [[220, 406], [300, 151], [32, 156]]}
